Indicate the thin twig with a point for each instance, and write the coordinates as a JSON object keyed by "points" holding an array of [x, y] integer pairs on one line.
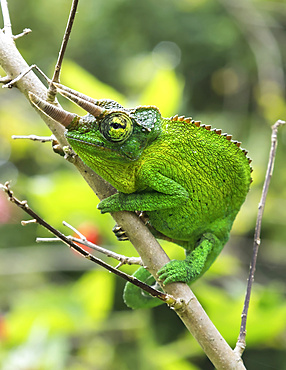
{"points": [[82, 237], [6, 19], [124, 260], [42, 139], [119, 257], [51, 93], [25, 32], [240, 345], [9, 84], [36, 218]]}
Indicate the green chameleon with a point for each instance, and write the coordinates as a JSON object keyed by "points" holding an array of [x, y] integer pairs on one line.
{"points": [[189, 180]]}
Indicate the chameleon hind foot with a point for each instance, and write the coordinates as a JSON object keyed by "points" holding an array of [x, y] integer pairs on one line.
{"points": [[175, 271], [195, 264]]}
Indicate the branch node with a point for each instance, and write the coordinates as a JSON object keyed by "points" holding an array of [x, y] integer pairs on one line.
{"points": [[5, 80], [278, 123], [6, 188], [11, 83], [70, 155], [81, 236], [239, 348], [180, 305], [176, 304], [121, 263]]}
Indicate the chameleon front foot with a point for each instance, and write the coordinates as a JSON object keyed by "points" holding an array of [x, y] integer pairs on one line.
{"points": [[121, 234]]}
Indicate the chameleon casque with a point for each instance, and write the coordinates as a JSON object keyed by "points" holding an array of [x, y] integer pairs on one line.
{"points": [[189, 179]]}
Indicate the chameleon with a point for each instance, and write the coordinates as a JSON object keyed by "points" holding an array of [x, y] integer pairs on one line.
{"points": [[188, 179]]}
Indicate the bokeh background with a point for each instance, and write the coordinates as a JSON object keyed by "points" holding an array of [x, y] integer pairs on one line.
{"points": [[219, 61]]}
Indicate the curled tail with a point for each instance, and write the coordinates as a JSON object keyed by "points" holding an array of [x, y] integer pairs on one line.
{"points": [[135, 297]]}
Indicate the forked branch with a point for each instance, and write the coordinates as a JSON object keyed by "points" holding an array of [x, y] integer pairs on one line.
{"points": [[36, 218], [123, 260]]}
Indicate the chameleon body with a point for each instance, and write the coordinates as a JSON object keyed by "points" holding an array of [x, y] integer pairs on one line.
{"points": [[190, 180]]}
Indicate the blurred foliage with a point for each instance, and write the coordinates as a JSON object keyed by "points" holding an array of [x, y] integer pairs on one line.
{"points": [[222, 62]]}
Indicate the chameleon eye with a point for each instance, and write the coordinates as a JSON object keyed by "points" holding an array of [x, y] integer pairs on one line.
{"points": [[116, 127]]}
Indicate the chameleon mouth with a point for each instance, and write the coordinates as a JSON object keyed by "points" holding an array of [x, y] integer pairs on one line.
{"points": [[89, 143], [99, 147]]}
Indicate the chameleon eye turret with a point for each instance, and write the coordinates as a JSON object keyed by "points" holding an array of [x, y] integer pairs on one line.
{"points": [[58, 114], [116, 127]]}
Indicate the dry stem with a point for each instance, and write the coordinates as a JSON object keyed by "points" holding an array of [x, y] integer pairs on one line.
{"points": [[240, 345]]}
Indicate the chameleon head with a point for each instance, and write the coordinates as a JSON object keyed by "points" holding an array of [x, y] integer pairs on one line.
{"points": [[110, 138]]}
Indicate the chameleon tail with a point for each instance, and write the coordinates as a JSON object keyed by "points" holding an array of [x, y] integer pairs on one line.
{"points": [[135, 297]]}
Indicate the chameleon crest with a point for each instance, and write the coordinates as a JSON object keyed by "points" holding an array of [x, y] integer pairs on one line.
{"points": [[190, 180]]}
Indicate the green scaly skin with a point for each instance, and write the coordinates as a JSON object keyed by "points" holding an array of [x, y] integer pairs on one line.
{"points": [[190, 180]]}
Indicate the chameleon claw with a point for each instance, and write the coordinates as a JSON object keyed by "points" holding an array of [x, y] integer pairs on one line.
{"points": [[120, 233]]}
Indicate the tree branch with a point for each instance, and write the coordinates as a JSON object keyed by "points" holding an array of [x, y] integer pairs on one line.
{"points": [[37, 219], [6, 18], [153, 256], [83, 241], [52, 91], [240, 345]]}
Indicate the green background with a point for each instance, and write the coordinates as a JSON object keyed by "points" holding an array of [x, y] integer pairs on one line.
{"points": [[221, 62]]}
